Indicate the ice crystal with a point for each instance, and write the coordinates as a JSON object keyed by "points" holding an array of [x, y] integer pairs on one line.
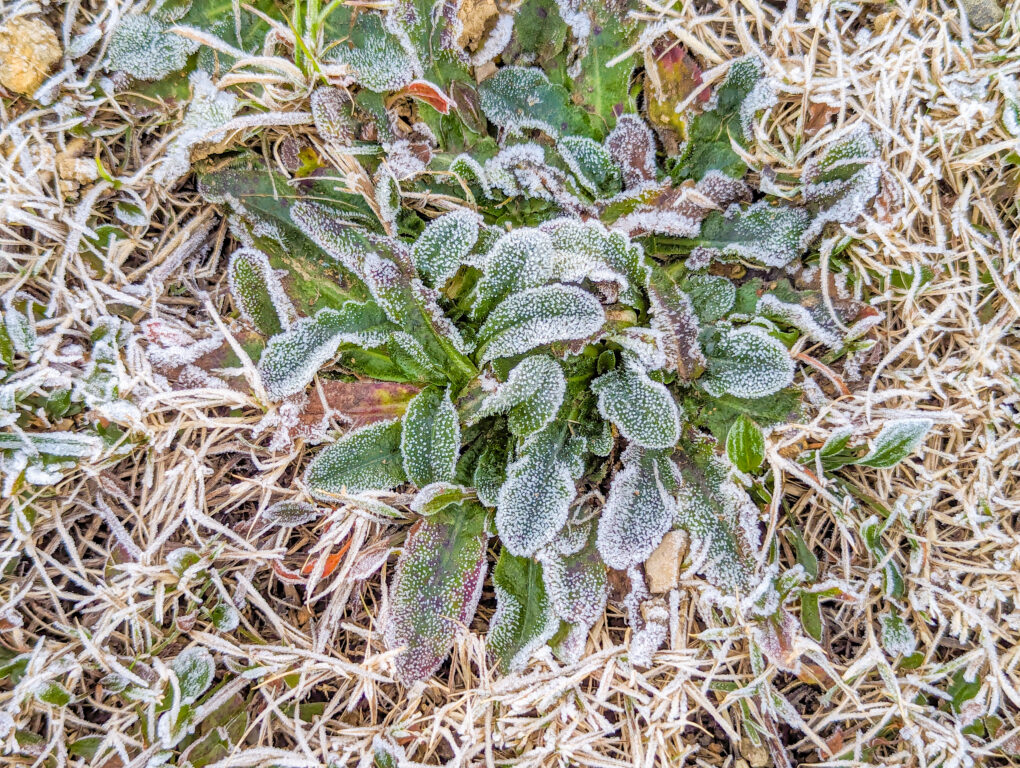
{"points": [[496, 42], [631, 145], [642, 409], [535, 499], [440, 250], [258, 292], [430, 438], [326, 229], [586, 250], [144, 48], [291, 359], [747, 362], [639, 509], [531, 396], [521, 170], [363, 460], [712, 297], [539, 316]]}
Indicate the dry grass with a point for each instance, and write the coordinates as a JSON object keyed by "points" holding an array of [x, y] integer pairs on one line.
{"points": [[88, 591]]}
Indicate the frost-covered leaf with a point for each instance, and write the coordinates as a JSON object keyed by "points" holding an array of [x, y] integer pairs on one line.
{"points": [[832, 322], [519, 98], [435, 589], [745, 444], [673, 316], [430, 437], [711, 296], [57, 443], [586, 250], [258, 293], [642, 409], [631, 145], [576, 582], [839, 186], [225, 617], [745, 362], [639, 509], [524, 619], [195, 670], [722, 521], [539, 316], [144, 48], [377, 58], [745, 92], [288, 514], [490, 471], [896, 441], [534, 501], [291, 359], [438, 496], [521, 170], [531, 396], [591, 164], [440, 250], [897, 637], [53, 693], [363, 460], [520, 259], [762, 233], [332, 113]]}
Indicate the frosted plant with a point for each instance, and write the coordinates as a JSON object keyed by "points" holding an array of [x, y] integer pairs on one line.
{"points": [[569, 345], [143, 47]]}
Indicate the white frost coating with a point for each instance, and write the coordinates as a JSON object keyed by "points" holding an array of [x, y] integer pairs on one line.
{"points": [[539, 316], [586, 250], [646, 344], [247, 301], [533, 394], [401, 159], [520, 259], [430, 438], [579, 153], [507, 95], [723, 523], [142, 47], [842, 200], [521, 170], [747, 362], [764, 233], [210, 109], [661, 220], [1011, 110], [642, 409], [576, 585], [638, 510], [291, 359], [444, 245], [321, 225], [800, 317], [387, 195], [631, 144], [468, 169], [432, 491], [173, 347], [534, 502], [496, 42], [508, 616], [897, 638], [380, 63]]}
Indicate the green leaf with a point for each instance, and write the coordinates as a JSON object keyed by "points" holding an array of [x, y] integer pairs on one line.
{"points": [[258, 293], [811, 616], [520, 259], [531, 396], [435, 589], [195, 670], [576, 578], [711, 296], [441, 249], [430, 437], [762, 233], [535, 499], [642, 409], [896, 441], [490, 471], [745, 445], [897, 637], [144, 48], [591, 165], [640, 507], [604, 90], [722, 521], [536, 317], [365, 459], [524, 619], [745, 362], [519, 98], [54, 694], [291, 359], [377, 59]]}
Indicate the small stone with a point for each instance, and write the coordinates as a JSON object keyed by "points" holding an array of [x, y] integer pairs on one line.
{"points": [[982, 14], [28, 50], [663, 566], [755, 754]]}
